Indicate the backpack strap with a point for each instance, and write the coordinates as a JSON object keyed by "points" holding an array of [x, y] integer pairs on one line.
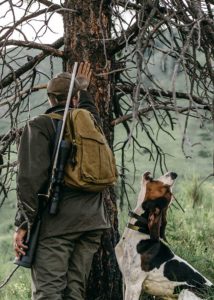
{"points": [[70, 126], [71, 132], [57, 135], [53, 115], [57, 125]]}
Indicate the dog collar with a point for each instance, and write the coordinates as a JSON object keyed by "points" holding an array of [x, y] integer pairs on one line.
{"points": [[137, 217], [133, 227]]}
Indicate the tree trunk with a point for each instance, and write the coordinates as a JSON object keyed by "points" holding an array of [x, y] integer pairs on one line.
{"points": [[85, 33]]}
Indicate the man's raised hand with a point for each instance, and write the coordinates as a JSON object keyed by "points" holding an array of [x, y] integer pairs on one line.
{"points": [[84, 75]]}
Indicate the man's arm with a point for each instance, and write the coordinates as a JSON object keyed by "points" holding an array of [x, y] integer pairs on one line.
{"points": [[33, 175], [86, 101]]}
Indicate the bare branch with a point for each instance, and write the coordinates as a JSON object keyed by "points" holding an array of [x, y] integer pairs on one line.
{"points": [[29, 44], [142, 111], [52, 5], [30, 90], [23, 19], [9, 277], [163, 93], [128, 4], [9, 164], [119, 43], [31, 64]]}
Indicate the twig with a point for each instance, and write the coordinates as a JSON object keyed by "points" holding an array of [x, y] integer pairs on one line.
{"points": [[9, 277]]}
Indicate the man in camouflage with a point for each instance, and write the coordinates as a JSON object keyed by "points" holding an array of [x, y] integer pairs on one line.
{"points": [[68, 240]]}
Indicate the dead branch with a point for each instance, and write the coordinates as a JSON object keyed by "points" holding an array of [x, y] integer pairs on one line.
{"points": [[142, 111], [163, 93], [55, 7], [23, 19], [119, 43], [9, 164], [30, 90], [32, 63], [28, 44]]}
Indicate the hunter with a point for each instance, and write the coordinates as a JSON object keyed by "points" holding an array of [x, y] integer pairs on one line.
{"points": [[67, 241]]}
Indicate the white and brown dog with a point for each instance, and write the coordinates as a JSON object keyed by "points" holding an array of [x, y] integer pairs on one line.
{"points": [[147, 264]]}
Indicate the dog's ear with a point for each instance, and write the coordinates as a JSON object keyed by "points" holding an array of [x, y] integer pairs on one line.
{"points": [[154, 223], [148, 249], [147, 177]]}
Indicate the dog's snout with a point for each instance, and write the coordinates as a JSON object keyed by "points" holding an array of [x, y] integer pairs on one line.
{"points": [[173, 175]]}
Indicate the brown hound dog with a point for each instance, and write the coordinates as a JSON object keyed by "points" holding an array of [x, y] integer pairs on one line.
{"points": [[147, 263]]}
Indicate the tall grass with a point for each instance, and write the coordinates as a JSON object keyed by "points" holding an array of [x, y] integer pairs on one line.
{"points": [[18, 287], [191, 233]]}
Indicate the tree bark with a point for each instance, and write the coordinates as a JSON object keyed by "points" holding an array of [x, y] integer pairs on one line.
{"points": [[85, 35]]}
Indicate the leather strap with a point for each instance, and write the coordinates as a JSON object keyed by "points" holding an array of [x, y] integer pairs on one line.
{"points": [[137, 217]]}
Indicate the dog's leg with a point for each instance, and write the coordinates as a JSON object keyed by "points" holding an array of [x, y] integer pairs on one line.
{"points": [[134, 288], [133, 293], [119, 252], [145, 296]]}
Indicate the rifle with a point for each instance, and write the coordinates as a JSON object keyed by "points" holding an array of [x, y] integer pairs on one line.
{"points": [[57, 178], [60, 157], [62, 151]]}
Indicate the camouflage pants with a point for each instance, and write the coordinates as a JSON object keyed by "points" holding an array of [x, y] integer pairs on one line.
{"points": [[62, 266]]}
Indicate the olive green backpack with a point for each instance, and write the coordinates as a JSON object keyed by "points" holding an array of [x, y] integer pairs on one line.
{"points": [[91, 165]]}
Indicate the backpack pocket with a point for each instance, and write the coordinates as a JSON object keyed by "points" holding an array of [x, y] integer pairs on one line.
{"points": [[96, 164]]}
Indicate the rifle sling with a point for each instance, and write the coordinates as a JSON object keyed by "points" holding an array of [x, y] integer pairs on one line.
{"points": [[57, 127]]}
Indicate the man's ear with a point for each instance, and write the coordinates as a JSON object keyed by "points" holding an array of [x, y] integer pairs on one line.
{"points": [[52, 100]]}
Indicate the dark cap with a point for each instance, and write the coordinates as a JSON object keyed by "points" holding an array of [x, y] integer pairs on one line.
{"points": [[60, 84]]}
